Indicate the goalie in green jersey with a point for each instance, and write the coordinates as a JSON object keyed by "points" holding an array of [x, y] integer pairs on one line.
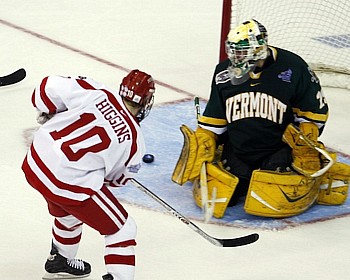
{"points": [[258, 135]]}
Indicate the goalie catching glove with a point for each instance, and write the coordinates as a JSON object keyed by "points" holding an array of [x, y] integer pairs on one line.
{"points": [[306, 158], [199, 146]]}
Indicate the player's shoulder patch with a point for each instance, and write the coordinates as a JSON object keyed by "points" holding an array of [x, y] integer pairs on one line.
{"points": [[222, 77], [314, 77]]}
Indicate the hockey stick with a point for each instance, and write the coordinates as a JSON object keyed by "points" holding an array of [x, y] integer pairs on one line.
{"points": [[196, 105], [13, 78], [206, 209], [233, 242], [203, 184], [203, 175]]}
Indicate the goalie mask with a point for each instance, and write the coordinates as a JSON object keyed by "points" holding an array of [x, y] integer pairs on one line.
{"points": [[245, 45], [138, 87]]}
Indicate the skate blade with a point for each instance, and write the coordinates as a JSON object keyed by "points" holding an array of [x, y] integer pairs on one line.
{"points": [[62, 275]]}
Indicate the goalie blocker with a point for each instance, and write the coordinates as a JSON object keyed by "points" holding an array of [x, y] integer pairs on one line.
{"points": [[320, 179]]}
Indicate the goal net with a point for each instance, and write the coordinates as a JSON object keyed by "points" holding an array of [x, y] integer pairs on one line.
{"points": [[317, 30]]}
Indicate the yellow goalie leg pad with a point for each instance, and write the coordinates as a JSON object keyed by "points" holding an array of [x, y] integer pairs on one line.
{"points": [[225, 184], [199, 146], [335, 185], [280, 195]]}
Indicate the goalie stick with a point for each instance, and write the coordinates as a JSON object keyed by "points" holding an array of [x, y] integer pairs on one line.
{"points": [[232, 242], [207, 209], [13, 78]]}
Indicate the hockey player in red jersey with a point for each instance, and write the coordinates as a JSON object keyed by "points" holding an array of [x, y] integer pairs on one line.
{"points": [[90, 141]]}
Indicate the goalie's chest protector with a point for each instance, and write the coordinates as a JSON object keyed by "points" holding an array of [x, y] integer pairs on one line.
{"points": [[258, 110]]}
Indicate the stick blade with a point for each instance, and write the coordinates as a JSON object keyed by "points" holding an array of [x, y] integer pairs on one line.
{"points": [[240, 241], [13, 78]]}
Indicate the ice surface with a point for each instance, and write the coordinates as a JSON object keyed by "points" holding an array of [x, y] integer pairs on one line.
{"points": [[177, 42]]}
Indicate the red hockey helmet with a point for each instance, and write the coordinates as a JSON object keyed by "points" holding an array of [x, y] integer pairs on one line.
{"points": [[138, 87]]}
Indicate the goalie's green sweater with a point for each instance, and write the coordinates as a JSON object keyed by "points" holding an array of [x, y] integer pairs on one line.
{"points": [[256, 113]]}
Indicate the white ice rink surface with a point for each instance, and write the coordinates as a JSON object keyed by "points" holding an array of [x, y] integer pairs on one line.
{"points": [[177, 42]]}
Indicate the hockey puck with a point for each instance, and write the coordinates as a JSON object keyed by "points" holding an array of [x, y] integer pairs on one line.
{"points": [[148, 158]]}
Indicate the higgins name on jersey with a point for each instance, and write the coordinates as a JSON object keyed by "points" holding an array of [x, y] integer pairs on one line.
{"points": [[115, 119]]}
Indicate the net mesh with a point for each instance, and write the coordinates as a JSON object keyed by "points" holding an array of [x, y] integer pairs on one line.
{"points": [[318, 31]]}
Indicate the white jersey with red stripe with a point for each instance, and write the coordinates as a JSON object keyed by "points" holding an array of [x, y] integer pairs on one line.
{"points": [[91, 140]]}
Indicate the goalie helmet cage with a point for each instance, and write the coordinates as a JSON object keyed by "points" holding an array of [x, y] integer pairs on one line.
{"points": [[318, 31]]}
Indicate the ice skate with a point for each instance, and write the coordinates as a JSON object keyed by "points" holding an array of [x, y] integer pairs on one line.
{"points": [[107, 277], [59, 267]]}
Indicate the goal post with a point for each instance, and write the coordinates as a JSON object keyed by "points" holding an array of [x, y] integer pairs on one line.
{"points": [[318, 31], [225, 26]]}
